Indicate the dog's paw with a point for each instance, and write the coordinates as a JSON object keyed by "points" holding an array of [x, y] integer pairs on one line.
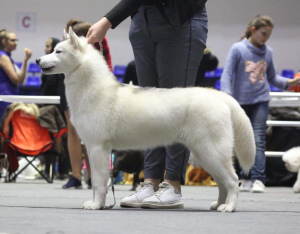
{"points": [[91, 205], [214, 205], [296, 188], [226, 208]]}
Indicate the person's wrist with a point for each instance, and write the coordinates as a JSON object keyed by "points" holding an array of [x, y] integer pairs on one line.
{"points": [[288, 84], [107, 23]]}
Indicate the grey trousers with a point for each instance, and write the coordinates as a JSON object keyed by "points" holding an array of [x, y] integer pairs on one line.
{"points": [[167, 58]]}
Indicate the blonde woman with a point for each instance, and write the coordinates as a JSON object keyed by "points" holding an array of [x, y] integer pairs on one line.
{"points": [[10, 75]]}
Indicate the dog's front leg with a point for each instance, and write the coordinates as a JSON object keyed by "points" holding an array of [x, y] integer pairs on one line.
{"points": [[296, 186], [99, 161]]}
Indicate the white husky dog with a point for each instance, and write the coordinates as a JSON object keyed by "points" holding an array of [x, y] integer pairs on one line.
{"points": [[109, 115]]}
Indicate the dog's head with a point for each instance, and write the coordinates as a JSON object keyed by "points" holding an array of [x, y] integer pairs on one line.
{"points": [[292, 159], [66, 57]]}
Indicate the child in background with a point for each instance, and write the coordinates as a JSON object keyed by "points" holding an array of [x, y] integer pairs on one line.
{"points": [[248, 71]]}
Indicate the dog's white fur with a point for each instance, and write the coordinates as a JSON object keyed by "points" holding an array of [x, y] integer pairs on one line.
{"points": [[108, 115], [292, 163]]}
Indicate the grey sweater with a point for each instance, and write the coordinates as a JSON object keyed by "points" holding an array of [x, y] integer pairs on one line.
{"points": [[248, 72]]}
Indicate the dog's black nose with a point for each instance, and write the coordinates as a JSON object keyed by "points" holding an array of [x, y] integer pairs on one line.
{"points": [[37, 61]]}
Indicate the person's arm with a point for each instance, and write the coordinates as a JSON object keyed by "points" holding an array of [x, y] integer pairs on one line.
{"points": [[122, 10], [293, 82], [112, 19], [277, 80], [15, 77], [228, 74], [280, 81], [98, 31]]}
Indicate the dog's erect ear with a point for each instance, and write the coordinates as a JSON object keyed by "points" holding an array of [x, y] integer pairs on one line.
{"points": [[66, 35], [74, 39]]}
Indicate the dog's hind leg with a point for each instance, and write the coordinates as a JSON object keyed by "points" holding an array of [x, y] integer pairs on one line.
{"points": [[218, 164], [99, 161], [222, 190], [227, 181], [231, 185], [221, 199]]}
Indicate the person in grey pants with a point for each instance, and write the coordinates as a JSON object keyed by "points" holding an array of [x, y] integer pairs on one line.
{"points": [[168, 39]]}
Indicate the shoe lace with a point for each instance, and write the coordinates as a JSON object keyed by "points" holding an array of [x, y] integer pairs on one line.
{"points": [[162, 188], [143, 187]]}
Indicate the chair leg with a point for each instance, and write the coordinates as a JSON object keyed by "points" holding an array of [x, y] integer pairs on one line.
{"points": [[30, 163], [51, 172], [7, 172], [40, 172], [50, 160], [2, 163], [16, 174]]}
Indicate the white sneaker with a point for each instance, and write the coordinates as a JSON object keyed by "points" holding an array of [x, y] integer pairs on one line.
{"points": [[245, 186], [258, 187], [136, 199], [167, 197]]}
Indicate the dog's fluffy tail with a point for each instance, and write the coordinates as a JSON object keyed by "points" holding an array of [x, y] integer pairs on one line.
{"points": [[243, 135]]}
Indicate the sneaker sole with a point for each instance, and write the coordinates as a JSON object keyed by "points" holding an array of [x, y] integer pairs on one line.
{"points": [[258, 191], [76, 187], [175, 205], [130, 205], [245, 190]]}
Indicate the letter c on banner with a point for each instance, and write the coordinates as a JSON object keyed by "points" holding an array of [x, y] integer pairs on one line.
{"points": [[26, 21]]}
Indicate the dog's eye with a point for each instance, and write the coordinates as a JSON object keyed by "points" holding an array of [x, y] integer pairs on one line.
{"points": [[58, 51]]}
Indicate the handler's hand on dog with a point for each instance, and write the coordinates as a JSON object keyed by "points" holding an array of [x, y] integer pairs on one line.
{"points": [[293, 82], [98, 31]]}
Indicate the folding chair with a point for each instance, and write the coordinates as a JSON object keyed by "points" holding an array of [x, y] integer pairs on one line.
{"points": [[24, 136]]}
